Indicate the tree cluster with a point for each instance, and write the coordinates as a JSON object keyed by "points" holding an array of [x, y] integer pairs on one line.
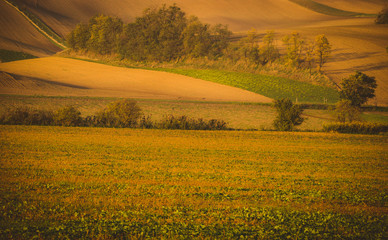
{"points": [[162, 34], [167, 34], [299, 52]]}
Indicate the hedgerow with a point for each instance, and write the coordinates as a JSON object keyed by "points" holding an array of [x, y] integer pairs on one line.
{"points": [[356, 127], [120, 114]]}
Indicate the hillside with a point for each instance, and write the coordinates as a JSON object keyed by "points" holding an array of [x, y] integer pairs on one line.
{"points": [[363, 6], [69, 77], [17, 34], [358, 44], [240, 15]]}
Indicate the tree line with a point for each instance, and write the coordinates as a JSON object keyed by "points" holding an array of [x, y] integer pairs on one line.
{"points": [[162, 34], [167, 34]]}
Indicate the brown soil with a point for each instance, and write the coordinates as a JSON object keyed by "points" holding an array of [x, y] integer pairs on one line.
{"points": [[68, 77], [17, 34]]}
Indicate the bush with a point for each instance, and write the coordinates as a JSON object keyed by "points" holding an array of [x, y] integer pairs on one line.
{"points": [[382, 17], [356, 127], [69, 117], [289, 115], [26, 116], [186, 123], [346, 112], [120, 114]]}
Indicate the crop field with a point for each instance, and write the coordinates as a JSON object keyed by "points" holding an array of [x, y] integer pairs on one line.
{"points": [[100, 183], [269, 86]]}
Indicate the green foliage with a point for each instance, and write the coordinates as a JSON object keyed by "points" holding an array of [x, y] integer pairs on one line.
{"points": [[269, 86], [346, 112], [382, 17], [9, 56], [288, 115], [294, 47], [358, 88], [26, 116], [122, 113], [356, 127], [68, 116], [186, 123], [161, 34], [322, 50]]}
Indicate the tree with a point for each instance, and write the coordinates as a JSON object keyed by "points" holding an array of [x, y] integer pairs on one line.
{"points": [[322, 50], [358, 88], [294, 44], [249, 47], [289, 115], [123, 113], [78, 38], [382, 17], [346, 112], [68, 116], [196, 38], [104, 32], [269, 51]]}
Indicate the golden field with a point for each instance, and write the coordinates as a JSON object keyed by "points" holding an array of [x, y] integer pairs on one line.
{"points": [[122, 183]]}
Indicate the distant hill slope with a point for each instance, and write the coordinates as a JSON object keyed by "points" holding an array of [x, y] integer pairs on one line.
{"points": [[17, 34], [68, 77], [240, 15], [363, 6]]}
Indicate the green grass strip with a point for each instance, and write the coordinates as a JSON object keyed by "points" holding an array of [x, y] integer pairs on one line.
{"points": [[269, 86], [9, 56], [324, 9]]}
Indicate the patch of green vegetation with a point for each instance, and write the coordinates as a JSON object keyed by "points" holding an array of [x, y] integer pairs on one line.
{"points": [[324, 9], [269, 86], [9, 56]]}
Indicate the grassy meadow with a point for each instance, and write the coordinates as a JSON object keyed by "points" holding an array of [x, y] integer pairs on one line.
{"points": [[99, 183]]}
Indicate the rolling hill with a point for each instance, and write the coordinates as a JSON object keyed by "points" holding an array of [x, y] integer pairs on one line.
{"points": [[358, 44], [55, 76]]}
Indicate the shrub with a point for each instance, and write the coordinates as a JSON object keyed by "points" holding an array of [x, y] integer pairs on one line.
{"points": [[356, 127], [121, 114], [26, 116], [186, 123], [289, 115], [382, 17], [346, 112], [68, 116]]}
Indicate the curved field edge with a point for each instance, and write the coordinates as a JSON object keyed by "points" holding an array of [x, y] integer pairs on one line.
{"points": [[269, 86], [327, 10]]}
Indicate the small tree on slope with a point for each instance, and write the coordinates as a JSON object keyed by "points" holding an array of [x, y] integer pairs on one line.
{"points": [[289, 115]]}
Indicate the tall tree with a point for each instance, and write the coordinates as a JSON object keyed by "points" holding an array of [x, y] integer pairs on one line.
{"points": [[358, 88], [322, 50], [294, 45], [268, 51]]}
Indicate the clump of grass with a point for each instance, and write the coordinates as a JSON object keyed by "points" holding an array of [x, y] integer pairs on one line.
{"points": [[9, 56]]}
